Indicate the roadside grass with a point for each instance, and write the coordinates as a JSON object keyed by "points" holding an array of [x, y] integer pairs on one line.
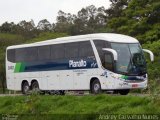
{"points": [[59, 107]]}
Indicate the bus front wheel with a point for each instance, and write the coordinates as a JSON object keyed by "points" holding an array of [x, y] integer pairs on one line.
{"points": [[25, 88], [124, 92], [95, 87]]}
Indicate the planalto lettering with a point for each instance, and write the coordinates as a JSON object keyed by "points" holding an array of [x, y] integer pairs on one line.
{"points": [[74, 64]]}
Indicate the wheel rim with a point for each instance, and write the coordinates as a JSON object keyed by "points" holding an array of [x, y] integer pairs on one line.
{"points": [[35, 88], [26, 88], [96, 87]]}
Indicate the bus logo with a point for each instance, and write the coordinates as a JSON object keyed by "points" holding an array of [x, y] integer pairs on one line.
{"points": [[74, 64]]}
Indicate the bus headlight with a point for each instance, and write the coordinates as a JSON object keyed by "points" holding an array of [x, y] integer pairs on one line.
{"points": [[116, 76]]}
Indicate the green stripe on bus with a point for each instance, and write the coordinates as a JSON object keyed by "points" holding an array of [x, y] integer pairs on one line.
{"points": [[19, 67], [124, 77]]}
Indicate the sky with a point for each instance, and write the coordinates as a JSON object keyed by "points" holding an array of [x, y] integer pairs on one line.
{"points": [[18, 10]]}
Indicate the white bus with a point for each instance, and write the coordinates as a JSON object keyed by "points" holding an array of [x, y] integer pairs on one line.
{"points": [[94, 62]]}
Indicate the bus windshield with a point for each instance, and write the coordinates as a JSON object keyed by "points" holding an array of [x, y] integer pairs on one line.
{"points": [[131, 60]]}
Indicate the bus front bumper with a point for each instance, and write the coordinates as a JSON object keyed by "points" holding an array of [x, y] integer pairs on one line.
{"points": [[131, 85], [118, 85]]}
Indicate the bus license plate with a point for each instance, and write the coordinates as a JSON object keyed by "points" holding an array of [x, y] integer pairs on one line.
{"points": [[134, 85]]}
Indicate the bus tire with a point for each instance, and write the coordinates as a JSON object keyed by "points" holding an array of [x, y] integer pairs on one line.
{"points": [[42, 92], [25, 88], [124, 92], [62, 92], [35, 87], [95, 87]]}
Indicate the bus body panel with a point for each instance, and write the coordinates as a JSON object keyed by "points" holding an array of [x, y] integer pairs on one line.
{"points": [[71, 78], [51, 79], [10, 76]]}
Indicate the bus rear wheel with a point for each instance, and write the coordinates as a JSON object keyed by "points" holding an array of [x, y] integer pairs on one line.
{"points": [[35, 87], [95, 87], [62, 92], [25, 88], [124, 92]]}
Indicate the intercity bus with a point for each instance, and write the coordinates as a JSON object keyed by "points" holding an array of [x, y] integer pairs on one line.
{"points": [[94, 62]]}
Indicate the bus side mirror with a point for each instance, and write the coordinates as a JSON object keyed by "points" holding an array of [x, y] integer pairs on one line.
{"points": [[115, 55], [150, 53]]}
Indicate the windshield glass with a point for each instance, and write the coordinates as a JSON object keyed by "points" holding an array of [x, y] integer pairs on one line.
{"points": [[131, 60]]}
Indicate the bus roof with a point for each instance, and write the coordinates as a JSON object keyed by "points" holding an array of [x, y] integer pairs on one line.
{"points": [[111, 37]]}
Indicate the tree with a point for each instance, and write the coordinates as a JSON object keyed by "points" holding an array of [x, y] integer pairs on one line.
{"points": [[89, 20], [27, 29], [28, 26], [117, 8], [64, 22], [134, 17], [6, 27], [44, 25]]}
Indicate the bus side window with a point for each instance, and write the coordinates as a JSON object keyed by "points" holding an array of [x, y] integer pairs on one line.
{"points": [[21, 55], [57, 51], [26, 54], [44, 52], [99, 45], [32, 54], [108, 61], [105, 57], [71, 50], [85, 49]]}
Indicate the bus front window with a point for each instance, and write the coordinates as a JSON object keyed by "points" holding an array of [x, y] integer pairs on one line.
{"points": [[131, 60], [124, 61]]}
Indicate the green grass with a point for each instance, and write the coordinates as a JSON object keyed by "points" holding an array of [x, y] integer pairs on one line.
{"points": [[10, 36], [70, 106], [46, 36], [10, 39]]}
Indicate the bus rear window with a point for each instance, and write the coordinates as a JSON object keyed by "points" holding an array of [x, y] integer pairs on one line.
{"points": [[11, 55]]}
